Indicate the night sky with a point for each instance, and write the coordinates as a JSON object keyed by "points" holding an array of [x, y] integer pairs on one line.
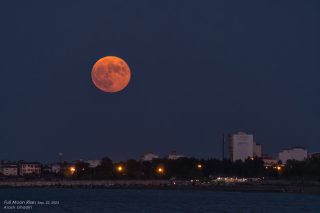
{"points": [[199, 68]]}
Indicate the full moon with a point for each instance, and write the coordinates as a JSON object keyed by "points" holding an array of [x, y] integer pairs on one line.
{"points": [[111, 74]]}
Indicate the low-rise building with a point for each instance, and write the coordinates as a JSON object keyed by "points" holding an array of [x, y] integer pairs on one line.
{"points": [[9, 169], [149, 156], [28, 168], [296, 153], [268, 161], [314, 155], [51, 168], [174, 156], [55, 168], [93, 163]]}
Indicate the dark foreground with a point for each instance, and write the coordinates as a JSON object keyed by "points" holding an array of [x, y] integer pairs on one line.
{"points": [[135, 200]]}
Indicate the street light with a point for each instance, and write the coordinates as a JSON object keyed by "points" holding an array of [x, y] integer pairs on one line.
{"points": [[119, 168], [72, 169], [199, 166], [160, 170]]}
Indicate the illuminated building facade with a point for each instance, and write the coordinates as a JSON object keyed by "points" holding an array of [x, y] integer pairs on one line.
{"points": [[240, 146], [296, 153]]}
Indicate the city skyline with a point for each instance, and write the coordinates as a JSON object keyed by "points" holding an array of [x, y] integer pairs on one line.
{"points": [[248, 145], [197, 71]]}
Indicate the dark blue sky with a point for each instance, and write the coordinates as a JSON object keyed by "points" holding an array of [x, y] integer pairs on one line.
{"points": [[199, 68]]}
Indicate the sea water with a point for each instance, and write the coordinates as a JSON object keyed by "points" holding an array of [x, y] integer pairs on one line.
{"points": [[131, 200]]}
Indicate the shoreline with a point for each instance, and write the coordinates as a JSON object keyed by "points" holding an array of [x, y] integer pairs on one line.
{"points": [[164, 185]]}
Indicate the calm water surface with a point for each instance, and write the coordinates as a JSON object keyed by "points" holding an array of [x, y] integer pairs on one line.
{"points": [[121, 200]]}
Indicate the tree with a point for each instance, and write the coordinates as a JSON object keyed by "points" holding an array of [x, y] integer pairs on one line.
{"points": [[133, 169], [82, 170], [105, 169]]}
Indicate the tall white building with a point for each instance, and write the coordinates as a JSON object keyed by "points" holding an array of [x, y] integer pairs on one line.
{"points": [[240, 146], [296, 153]]}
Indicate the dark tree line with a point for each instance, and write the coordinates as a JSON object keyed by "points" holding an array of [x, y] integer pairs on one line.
{"points": [[309, 168], [189, 168]]}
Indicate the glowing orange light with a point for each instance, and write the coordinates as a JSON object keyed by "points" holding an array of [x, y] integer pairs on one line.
{"points": [[160, 170], [72, 169], [199, 166], [120, 168]]}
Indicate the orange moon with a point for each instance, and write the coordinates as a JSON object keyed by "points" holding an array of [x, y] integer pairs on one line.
{"points": [[111, 74]]}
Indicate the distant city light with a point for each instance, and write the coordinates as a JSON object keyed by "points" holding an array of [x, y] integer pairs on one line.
{"points": [[160, 170], [119, 168], [72, 169], [199, 166]]}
